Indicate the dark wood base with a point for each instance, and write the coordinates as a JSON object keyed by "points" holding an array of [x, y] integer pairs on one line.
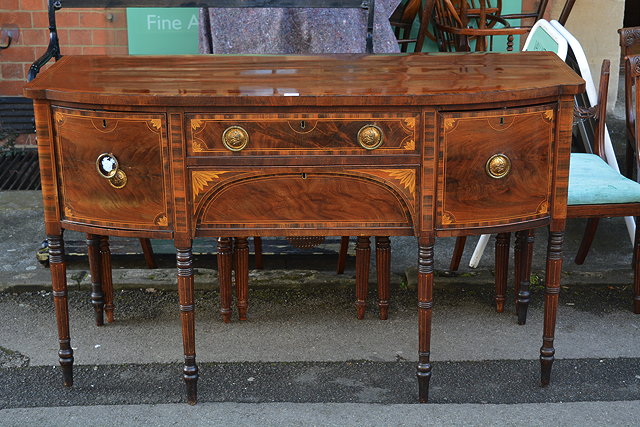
{"points": [[383, 273]]}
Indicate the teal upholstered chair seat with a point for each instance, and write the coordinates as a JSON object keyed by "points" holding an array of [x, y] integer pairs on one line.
{"points": [[593, 182]]}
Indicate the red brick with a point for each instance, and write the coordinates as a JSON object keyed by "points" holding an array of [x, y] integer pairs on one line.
{"points": [[103, 37], [12, 71], [79, 37], [94, 50], [17, 53], [95, 20], [67, 18], [40, 19], [121, 38], [9, 5], [33, 4], [71, 50], [37, 37], [21, 19], [11, 87], [118, 50]]}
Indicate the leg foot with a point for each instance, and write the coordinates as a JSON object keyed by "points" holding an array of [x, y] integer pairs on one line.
{"points": [[363, 254]]}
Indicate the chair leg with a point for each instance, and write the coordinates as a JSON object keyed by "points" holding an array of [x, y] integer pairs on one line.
{"points": [[457, 253], [241, 252], [383, 272], [147, 251], [587, 239], [636, 270], [502, 268], [224, 277], [257, 251], [342, 256], [363, 254]]}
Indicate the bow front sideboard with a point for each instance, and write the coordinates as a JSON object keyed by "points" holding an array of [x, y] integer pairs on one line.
{"points": [[405, 145]]}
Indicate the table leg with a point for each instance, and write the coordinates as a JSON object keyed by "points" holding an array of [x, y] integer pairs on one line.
{"points": [[524, 277], [107, 280], [425, 305], [224, 277], [363, 254], [184, 260], [502, 268], [95, 266], [383, 272], [552, 291], [59, 284], [342, 254], [257, 251], [241, 252]]}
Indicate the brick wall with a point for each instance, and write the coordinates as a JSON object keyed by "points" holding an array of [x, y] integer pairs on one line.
{"points": [[81, 32]]}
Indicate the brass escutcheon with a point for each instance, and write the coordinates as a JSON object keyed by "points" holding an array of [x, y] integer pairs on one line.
{"points": [[107, 165], [498, 166], [118, 180], [370, 137], [235, 138]]}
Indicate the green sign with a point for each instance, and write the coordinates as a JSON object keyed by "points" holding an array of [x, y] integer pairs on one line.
{"points": [[162, 31]]}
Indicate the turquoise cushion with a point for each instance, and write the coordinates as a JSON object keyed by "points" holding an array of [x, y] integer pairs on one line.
{"points": [[593, 182]]}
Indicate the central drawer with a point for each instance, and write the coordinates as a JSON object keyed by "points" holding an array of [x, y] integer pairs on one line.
{"points": [[301, 133]]}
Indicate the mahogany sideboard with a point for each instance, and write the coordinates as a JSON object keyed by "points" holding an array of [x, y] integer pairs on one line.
{"points": [[414, 145]]}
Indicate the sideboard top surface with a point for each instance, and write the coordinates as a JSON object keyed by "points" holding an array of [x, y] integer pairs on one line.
{"points": [[223, 80]]}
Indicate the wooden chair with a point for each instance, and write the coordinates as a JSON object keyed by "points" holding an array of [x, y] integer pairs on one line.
{"points": [[629, 45], [403, 19]]}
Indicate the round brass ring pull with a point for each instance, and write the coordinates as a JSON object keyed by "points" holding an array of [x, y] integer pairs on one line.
{"points": [[370, 137], [118, 180], [498, 166], [107, 165], [235, 138]]}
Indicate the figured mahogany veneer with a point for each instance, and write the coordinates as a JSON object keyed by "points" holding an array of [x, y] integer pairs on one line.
{"points": [[472, 143]]}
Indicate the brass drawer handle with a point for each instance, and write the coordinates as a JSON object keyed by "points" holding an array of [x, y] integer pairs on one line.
{"points": [[370, 137], [109, 168], [235, 138], [498, 166]]}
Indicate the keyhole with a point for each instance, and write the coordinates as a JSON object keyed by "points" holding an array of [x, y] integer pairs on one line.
{"points": [[304, 175], [303, 124], [502, 120], [104, 123]]}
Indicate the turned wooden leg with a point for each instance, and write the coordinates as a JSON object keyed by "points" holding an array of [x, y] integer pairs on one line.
{"points": [[383, 272], [59, 284], [525, 255], [187, 317], [224, 277], [502, 268], [241, 252], [587, 239], [147, 251], [636, 270], [342, 255], [552, 291], [457, 253], [425, 305], [363, 254], [97, 296], [517, 272], [257, 251], [107, 281]]}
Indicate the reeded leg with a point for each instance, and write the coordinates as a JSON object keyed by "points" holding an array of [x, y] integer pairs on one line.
{"points": [[552, 291], [525, 260], [97, 296], [107, 281], [383, 271], [636, 270], [363, 254], [502, 268], [187, 317], [342, 256], [457, 253], [59, 284], [242, 276], [517, 272], [257, 251], [425, 305], [147, 251], [224, 277]]}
